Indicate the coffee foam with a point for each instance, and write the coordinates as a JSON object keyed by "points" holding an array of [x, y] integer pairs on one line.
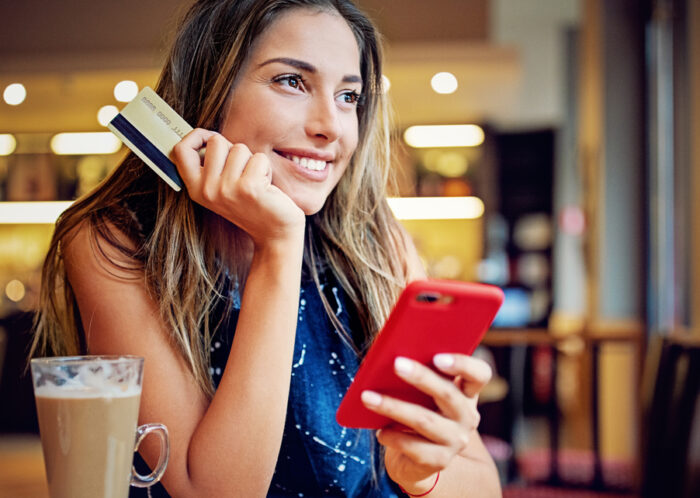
{"points": [[83, 392], [87, 381]]}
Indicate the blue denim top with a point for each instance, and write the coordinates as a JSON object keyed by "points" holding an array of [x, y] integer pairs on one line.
{"points": [[318, 457]]}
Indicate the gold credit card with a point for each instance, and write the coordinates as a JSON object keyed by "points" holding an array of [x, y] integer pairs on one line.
{"points": [[151, 128]]}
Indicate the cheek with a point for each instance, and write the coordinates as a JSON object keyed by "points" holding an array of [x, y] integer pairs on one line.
{"points": [[349, 148], [249, 120], [252, 129], [352, 138], [341, 172]]}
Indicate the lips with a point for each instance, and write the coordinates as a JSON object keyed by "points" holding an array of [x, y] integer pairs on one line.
{"points": [[311, 160], [307, 162]]}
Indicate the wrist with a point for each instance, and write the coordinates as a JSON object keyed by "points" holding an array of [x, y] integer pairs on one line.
{"points": [[282, 246], [279, 253], [423, 487]]}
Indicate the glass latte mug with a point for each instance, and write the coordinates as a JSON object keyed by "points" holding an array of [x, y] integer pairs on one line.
{"points": [[88, 409]]}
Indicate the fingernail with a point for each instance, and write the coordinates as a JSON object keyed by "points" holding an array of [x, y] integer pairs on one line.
{"points": [[403, 365], [444, 360], [377, 433], [371, 398]]}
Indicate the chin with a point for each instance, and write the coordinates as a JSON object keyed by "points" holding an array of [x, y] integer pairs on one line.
{"points": [[309, 211], [310, 208]]}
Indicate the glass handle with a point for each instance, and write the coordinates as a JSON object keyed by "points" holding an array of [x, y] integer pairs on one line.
{"points": [[139, 481]]}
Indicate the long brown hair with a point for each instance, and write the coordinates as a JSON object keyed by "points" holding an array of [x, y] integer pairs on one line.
{"points": [[178, 246]]}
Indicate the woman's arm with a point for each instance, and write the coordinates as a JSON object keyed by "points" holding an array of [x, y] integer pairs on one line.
{"points": [[445, 441], [227, 446]]}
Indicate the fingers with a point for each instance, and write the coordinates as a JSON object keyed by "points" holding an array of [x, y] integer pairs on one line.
{"points": [[455, 400], [439, 434], [237, 185], [186, 157], [213, 165], [445, 393], [475, 373], [428, 423], [258, 167], [238, 157], [221, 167], [429, 456], [458, 414]]}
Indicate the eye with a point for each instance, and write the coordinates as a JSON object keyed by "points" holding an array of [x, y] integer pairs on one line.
{"points": [[290, 80], [352, 97]]}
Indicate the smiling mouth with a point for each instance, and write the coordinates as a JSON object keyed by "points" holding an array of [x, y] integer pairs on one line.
{"points": [[306, 162]]}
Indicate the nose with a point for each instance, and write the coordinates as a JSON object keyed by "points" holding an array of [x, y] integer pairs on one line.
{"points": [[323, 119]]}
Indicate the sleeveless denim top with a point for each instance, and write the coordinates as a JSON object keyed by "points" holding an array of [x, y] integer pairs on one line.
{"points": [[318, 457]]}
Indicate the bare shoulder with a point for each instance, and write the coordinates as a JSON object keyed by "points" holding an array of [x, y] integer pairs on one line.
{"points": [[87, 251], [105, 283]]}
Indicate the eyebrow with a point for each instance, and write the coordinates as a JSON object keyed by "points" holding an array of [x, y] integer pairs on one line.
{"points": [[309, 68]]}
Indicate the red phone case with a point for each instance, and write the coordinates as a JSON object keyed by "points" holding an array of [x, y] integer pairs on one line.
{"points": [[430, 317]]}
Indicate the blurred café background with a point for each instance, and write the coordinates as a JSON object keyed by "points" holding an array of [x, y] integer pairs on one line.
{"points": [[570, 177]]}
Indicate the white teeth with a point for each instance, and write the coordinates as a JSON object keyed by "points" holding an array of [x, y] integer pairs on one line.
{"points": [[307, 163]]}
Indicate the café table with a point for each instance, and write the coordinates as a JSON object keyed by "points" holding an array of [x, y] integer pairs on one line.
{"points": [[22, 472]]}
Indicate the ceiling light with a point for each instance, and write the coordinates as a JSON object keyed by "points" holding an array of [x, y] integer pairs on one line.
{"points": [[452, 164], [444, 136], [444, 82], [436, 208], [106, 113], [8, 143], [125, 91], [14, 94], [14, 290], [85, 143], [32, 212]]}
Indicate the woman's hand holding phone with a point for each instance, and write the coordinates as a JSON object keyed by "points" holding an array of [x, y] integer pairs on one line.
{"points": [[422, 441], [237, 184], [418, 383]]}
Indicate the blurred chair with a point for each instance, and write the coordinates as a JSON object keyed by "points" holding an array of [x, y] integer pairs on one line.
{"points": [[17, 409], [3, 348], [556, 471], [670, 435], [517, 343], [671, 418]]}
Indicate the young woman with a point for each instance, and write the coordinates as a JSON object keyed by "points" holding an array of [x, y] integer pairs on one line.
{"points": [[253, 294]]}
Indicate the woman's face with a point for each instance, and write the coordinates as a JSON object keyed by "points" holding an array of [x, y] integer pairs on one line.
{"points": [[296, 101]]}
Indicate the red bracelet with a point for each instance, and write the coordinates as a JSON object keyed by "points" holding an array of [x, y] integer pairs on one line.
{"points": [[427, 492]]}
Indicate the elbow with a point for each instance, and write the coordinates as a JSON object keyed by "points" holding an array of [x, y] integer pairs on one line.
{"points": [[230, 488], [206, 481], [491, 483]]}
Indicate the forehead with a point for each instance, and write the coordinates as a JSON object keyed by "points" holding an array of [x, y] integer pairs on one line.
{"points": [[320, 37]]}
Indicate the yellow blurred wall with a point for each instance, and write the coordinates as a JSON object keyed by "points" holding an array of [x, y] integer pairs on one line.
{"points": [[449, 248]]}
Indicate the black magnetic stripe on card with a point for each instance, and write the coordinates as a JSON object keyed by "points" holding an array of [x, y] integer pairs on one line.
{"points": [[146, 147]]}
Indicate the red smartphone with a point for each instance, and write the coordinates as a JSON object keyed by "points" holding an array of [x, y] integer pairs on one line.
{"points": [[430, 317]]}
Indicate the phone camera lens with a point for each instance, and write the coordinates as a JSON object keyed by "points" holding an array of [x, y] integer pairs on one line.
{"points": [[427, 297]]}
